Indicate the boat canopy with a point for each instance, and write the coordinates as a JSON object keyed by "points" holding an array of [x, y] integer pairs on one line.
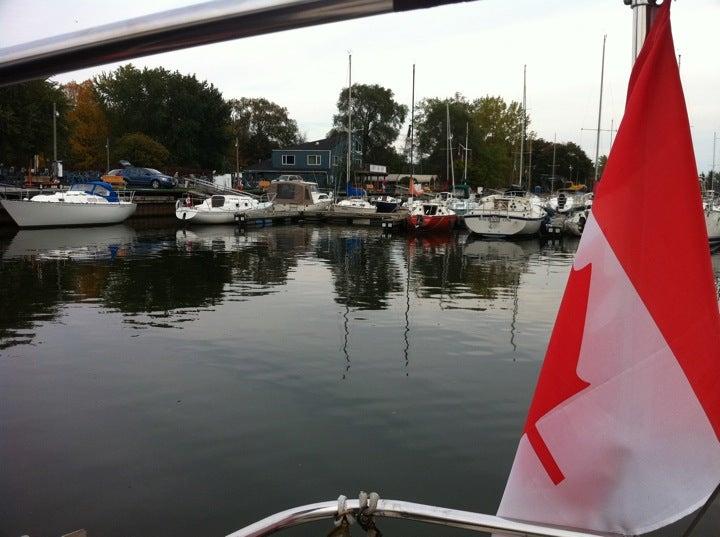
{"points": [[97, 188], [353, 192], [291, 192]]}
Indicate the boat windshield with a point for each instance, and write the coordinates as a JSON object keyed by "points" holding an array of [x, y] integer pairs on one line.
{"points": [[81, 187]]}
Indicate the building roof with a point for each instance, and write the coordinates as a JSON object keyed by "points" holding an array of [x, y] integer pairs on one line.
{"points": [[325, 144]]}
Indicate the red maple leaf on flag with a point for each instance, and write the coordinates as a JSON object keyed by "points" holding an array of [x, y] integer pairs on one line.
{"points": [[558, 378]]}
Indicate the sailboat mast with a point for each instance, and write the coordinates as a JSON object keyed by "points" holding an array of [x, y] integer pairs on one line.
{"points": [[412, 136], [449, 147], [522, 134], [712, 172], [447, 141], [466, 153], [552, 179], [597, 140], [349, 136]]}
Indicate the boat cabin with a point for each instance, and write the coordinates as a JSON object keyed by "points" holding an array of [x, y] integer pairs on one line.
{"points": [[96, 188]]}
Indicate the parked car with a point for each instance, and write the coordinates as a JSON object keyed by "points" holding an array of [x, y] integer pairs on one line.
{"points": [[137, 177]]}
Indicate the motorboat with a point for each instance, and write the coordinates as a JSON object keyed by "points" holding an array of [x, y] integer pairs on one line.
{"points": [[354, 206], [430, 216], [386, 204], [217, 209], [502, 215], [83, 204]]}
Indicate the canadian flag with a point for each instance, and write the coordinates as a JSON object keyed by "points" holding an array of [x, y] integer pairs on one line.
{"points": [[622, 435]]}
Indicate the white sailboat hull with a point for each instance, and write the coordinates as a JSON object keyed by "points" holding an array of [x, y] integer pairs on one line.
{"points": [[190, 214], [354, 210], [712, 222], [28, 213], [490, 225]]}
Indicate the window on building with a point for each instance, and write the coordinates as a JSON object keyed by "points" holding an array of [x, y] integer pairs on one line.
{"points": [[313, 160], [336, 160], [288, 160]]}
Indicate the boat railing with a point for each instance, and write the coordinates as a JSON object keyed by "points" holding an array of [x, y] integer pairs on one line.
{"points": [[126, 196], [212, 188], [373, 507]]}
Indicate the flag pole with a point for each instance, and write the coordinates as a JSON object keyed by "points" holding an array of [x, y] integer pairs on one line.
{"points": [[701, 512], [644, 12]]}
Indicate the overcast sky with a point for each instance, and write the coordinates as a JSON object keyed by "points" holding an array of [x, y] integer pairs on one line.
{"points": [[477, 48]]}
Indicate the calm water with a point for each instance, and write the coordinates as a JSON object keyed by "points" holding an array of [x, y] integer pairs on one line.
{"points": [[163, 382]]}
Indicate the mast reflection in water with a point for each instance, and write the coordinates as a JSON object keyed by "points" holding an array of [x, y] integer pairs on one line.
{"points": [[150, 378]]}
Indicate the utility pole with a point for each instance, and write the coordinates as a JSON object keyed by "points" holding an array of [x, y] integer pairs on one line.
{"points": [[602, 79], [107, 153], [522, 135], [466, 150], [237, 159], [55, 114]]}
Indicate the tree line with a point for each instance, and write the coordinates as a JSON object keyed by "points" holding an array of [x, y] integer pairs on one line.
{"points": [[163, 119]]}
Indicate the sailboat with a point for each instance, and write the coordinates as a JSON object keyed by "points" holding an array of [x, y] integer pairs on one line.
{"points": [[356, 203], [512, 214], [433, 215]]}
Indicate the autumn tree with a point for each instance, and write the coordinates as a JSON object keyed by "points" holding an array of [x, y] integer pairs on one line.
{"points": [[260, 126], [88, 127], [376, 119], [141, 150]]}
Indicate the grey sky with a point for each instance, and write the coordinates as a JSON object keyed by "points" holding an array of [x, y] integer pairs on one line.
{"points": [[476, 48]]}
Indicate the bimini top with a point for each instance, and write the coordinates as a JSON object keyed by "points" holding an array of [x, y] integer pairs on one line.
{"points": [[97, 188]]}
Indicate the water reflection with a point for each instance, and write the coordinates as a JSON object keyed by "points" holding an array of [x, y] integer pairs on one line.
{"points": [[364, 266], [241, 344], [164, 278]]}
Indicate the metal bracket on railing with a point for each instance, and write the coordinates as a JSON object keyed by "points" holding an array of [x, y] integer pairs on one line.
{"points": [[407, 511]]}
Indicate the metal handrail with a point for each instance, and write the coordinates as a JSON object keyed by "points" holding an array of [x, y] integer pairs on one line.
{"points": [[410, 511]]}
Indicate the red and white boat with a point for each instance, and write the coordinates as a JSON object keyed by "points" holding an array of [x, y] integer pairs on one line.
{"points": [[430, 216]]}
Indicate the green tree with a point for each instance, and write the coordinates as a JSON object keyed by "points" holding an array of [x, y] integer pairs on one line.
{"points": [[571, 164], [493, 138], [26, 121], [260, 126], [141, 150], [376, 119], [187, 116], [88, 127]]}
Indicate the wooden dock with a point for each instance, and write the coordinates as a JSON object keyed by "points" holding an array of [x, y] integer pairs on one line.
{"points": [[267, 217]]}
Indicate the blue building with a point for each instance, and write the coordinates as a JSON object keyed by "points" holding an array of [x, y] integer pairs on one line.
{"points": [[320, 161]]}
